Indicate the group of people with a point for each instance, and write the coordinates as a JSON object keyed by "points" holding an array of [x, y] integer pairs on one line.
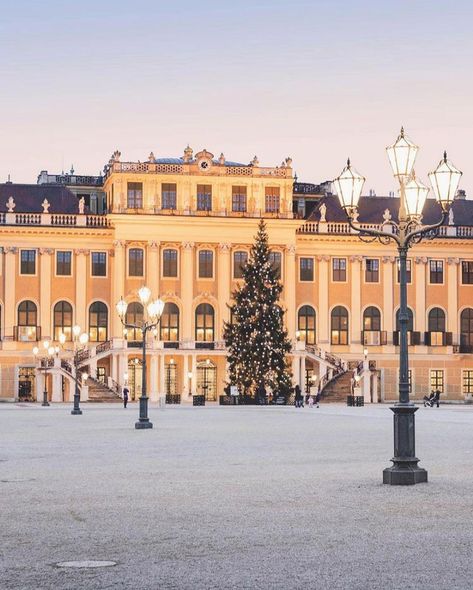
{"points": [[310, 399], [433, 399]]}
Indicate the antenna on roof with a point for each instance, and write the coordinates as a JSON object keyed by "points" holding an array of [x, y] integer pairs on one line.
{"points": [[9, 180]]}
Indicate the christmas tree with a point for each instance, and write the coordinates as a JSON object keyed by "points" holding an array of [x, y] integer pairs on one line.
{"points": [[255, 337]]}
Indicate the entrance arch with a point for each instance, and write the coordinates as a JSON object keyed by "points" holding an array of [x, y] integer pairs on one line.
{"points": [[135, 374], [207, 380]]}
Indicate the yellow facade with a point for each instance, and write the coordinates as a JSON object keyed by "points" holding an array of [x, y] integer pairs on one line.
{"points": [[138, 220]]}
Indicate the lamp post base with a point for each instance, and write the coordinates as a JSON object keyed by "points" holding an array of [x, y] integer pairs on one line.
{"points": [[76, 412], [44, 404], [143, 424], [405, 470]]}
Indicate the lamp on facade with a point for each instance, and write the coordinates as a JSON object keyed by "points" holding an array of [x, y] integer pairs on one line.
{"points": [[153, 310], [406, 233]]}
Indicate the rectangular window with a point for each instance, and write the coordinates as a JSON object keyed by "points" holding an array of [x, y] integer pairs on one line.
{"points": [[271, 199], [436, 271], [339, 269], [205, 264], [239, 199], [437, 380], [408, 271], [170, 263], [135, 195], [28, 262], [99, 264], [372, 270], [168, 196], [135, 262], [467, 385], [275, 260], [467, 272], [204, 197], [239, 261], [306, 269], [64, 263]]}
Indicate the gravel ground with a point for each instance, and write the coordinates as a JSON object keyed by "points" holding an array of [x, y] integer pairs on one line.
{"points": [[228, 497]]}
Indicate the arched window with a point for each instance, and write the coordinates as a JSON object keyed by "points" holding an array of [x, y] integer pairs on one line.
{"points": [[98, 322], [371, 319], [204, 323], [466, 328], [62, 320], [27, 320], [170, 323], [339, 331], [134, 316], [410, 320], [436, 320], [306, 324]]}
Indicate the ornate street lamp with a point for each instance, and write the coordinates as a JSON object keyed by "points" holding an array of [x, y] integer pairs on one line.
{"points": [[79, 345], [406, 233], [44, 364], [152, 316]]}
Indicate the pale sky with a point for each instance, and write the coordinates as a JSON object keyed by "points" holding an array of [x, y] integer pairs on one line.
{"points": [[315, 80]]}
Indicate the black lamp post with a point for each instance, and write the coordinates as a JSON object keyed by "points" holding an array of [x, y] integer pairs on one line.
{"points": [[80, 342], [45, 362], [152, 311], [407, 232]]}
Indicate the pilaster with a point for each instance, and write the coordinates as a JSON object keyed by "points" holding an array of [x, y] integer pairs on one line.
{"points": [[45, 293], [323, 283], [420, 285], [224, 269], [355, 269], [187, 288], [452, 295], [118, 286], [9, 289], [290, 289], [81, 287], [388, 301]]}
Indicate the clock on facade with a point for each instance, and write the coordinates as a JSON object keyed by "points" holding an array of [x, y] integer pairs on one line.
{"points": [[204, 165]]}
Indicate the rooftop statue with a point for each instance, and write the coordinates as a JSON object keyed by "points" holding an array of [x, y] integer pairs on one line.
{"points": [[10, 205]]}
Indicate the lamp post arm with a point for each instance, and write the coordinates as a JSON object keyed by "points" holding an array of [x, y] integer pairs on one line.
{"points": [[373, 232], [424, 229]]}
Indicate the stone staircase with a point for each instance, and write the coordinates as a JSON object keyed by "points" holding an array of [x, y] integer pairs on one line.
{"points": [[338, 388], [100, 393]]}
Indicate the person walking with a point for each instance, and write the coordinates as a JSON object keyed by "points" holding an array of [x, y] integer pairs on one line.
{"points": [[317, 398], [311, 401], [298, 397], [125, 396]]}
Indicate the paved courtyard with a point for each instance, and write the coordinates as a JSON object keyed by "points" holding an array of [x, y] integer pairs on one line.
{"points": [[228, 497]]}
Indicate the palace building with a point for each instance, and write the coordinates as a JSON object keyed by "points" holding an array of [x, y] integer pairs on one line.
{"points": [[71, 246]]}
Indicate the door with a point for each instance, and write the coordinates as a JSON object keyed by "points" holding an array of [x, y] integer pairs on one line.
{"points": [[135, 372], [207, 380], [26, 377]]}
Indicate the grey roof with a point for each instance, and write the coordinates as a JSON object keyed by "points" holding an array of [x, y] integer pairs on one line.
{"points": [[371, 210], [28, 198]]}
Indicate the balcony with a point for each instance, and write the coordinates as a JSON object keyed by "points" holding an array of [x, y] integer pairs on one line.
{"points": [[438, 338], [27, 333], [374, 337], [413, 338]]}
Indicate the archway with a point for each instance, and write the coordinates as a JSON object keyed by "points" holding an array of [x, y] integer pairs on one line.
{"points": [[135, 374], [207, 380]]}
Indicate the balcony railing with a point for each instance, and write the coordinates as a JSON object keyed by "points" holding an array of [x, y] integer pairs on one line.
{"points": [[374, 337], [27, 333], [55, 219], [341, 227]]}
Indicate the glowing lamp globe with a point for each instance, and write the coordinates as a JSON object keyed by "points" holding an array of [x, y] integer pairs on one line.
{"points": [[122, 306], [84, 338], [144, 294], [402, 155], [349, 186], [416, 194], [76, 330], [445, 180]]}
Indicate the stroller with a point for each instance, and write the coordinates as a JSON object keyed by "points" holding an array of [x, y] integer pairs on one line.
{"points": [[432, 400]]}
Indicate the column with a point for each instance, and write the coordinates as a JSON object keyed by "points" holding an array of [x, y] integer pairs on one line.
{"points": [[118, 287], [153, 272], [223, 279], [45, 293], [388, 302], [122, 367], [323, 282], [56, 384], [9, 290], [355, 332], [154, 393], [302, 374], [296, 378], [452, 295], [194, 374], [187, 289], [185, 378], [161, 374], [420, 266], [290, 290], [81, 288]]}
